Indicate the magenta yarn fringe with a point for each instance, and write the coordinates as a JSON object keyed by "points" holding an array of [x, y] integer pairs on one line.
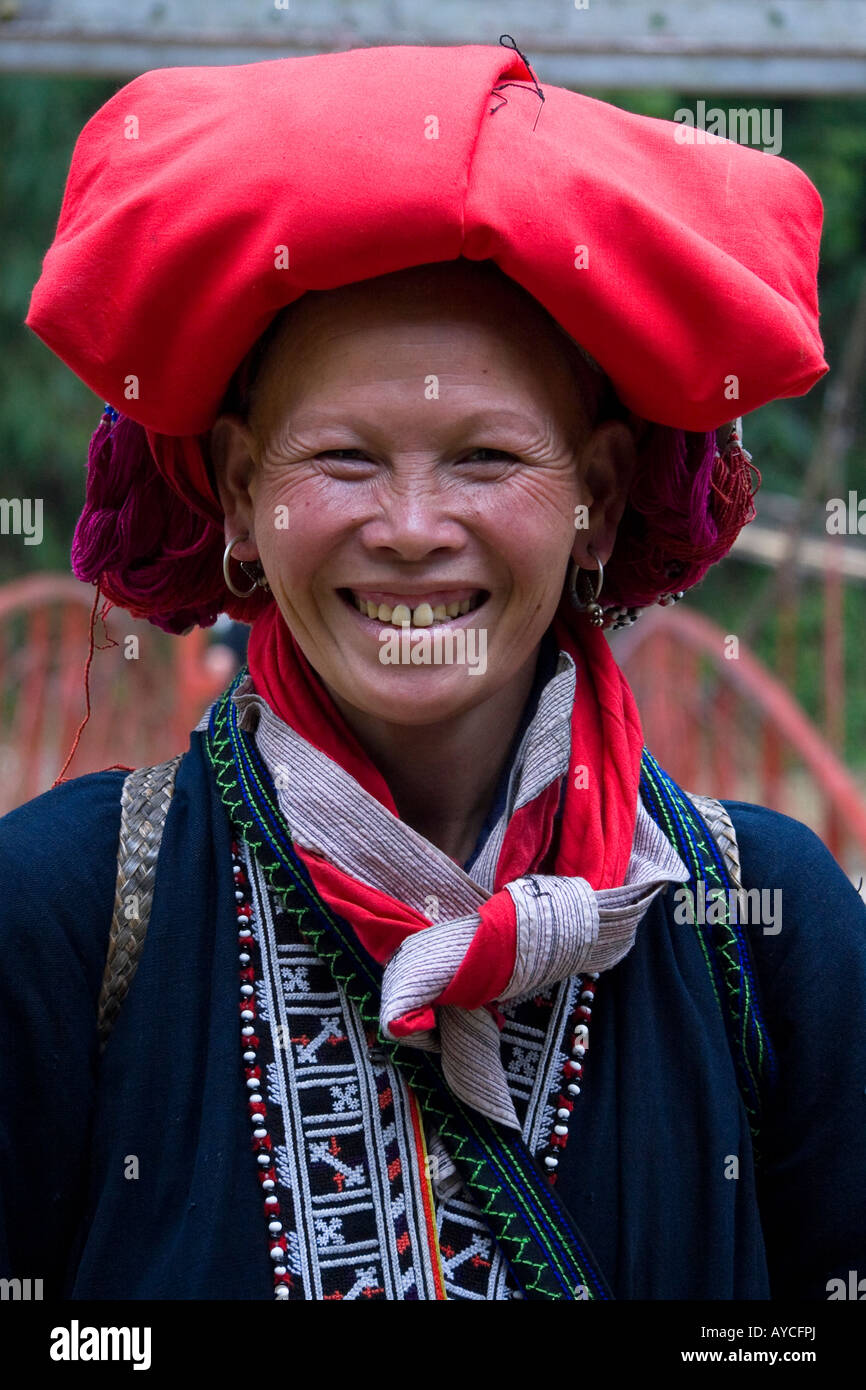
{"points": [[154, 556], [686, 508]]}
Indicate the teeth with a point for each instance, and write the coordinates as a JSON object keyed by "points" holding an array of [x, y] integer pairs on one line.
{"points": [[422, 616]]}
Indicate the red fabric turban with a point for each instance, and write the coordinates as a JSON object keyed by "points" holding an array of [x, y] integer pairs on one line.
{"points": [[201, 200]]}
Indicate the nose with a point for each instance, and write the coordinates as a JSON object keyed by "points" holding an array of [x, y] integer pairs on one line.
{"points": [[414, 517]]}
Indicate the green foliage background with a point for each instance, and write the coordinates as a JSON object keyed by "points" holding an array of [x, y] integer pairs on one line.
{"points": [[47, 415]]}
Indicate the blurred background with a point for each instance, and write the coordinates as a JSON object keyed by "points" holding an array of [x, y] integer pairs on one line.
{"points": [[776, 716]]}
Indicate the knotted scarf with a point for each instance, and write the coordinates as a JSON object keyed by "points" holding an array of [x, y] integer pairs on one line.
{"points": [[452, 944]]}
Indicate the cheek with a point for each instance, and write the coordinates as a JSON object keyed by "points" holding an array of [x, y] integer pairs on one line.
{"points": [[532, 522], [297, 521]]}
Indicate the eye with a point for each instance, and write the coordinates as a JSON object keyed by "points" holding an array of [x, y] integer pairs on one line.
{"points": [[346, 465], [495, 453], [336, 453]]}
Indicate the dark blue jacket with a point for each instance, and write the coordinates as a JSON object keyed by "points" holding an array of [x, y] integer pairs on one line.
{"points": [[647, 1172]]}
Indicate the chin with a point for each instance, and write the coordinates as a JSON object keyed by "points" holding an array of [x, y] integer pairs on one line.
{"points": [[413, 698]]}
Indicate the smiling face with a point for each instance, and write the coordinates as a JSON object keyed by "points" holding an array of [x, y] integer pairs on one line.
{"points": [[416, 443]]}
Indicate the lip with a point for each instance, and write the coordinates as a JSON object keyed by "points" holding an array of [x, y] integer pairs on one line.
{"points": [[374, 626]]}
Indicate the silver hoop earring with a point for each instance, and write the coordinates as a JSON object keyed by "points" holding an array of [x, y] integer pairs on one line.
{"points": [[259, 580], [588, 603]]}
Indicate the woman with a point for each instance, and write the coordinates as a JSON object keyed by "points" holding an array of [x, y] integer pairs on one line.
{"points": [[403, 884]]}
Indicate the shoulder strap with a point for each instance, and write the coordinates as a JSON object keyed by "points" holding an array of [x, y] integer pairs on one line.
{"points": [[144, 803], [722, 828], [701, 831]]}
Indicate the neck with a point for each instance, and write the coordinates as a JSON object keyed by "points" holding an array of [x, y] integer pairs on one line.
{"points": [[443, 776]]}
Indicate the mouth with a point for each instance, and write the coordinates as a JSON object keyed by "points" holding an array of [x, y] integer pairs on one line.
{"points": [[418, 610]]}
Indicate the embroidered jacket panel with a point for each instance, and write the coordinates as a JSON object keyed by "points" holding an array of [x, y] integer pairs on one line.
{"points": [[136, 1179]]}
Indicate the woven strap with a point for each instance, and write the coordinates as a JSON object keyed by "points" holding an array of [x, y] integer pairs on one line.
{"points": [[707, 843], [721, 826], [144, 803]]}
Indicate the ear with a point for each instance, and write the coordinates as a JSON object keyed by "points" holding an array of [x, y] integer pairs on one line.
{"points": [[607, 466], [234, 454]]}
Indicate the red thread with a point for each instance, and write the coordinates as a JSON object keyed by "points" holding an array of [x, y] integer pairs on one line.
{"points": [[120, 767]]}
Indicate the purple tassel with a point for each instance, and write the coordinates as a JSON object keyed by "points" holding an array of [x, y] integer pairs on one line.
{"points": [[153, 555]]}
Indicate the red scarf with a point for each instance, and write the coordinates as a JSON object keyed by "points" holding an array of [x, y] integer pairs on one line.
{"points": [[598, 822]]}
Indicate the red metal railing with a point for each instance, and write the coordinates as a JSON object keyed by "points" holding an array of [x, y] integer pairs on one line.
{"points": [[723, 725], [147, 689]]}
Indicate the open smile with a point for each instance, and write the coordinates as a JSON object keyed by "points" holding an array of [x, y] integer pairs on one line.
{"points": [[452, 608]]}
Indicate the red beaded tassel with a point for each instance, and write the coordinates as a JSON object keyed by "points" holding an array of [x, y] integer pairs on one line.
{"points": [[572, 1074]]}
